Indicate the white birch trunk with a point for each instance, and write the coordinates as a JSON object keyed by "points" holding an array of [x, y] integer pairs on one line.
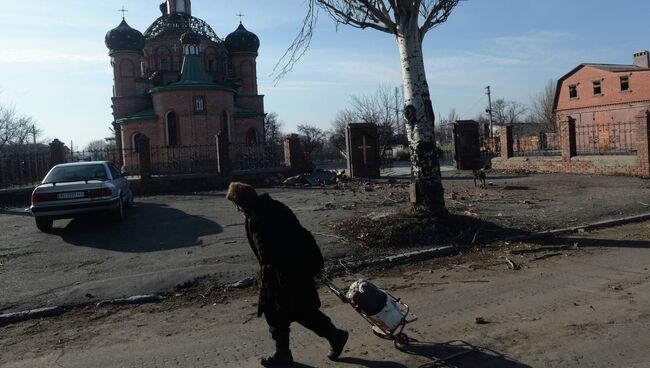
{"points": [[426, 185]]}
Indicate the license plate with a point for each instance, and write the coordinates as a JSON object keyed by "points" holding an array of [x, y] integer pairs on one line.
{"points": [[69, 195]]}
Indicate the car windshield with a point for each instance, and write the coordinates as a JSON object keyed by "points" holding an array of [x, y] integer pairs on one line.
{"points": [[76, 173]]}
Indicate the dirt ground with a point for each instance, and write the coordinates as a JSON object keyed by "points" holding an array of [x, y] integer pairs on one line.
{"points": [[576, 301]]}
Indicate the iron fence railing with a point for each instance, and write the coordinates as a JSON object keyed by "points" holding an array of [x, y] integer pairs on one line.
{"points": [[540, 144], [607, 138], [244, 156], [174, 160], [23, 168]]}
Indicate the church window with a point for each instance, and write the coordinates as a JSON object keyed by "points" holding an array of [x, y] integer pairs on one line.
{"points": [[226, 125], [211, 65], [135, 142], [164, 64], [172, 131], [199, 105], [251, 137]]}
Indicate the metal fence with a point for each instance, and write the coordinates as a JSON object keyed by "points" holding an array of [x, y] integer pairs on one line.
{"points": [[539, 144], [245, 156], [105, 154], [175, 160], [606, 139], [23, 168]]}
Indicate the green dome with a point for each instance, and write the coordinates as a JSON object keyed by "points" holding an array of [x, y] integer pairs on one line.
{"points": [[241, 40], [124, 38]]}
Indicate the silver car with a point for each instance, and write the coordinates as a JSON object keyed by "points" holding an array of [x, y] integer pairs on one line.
{"points": [[75, 189]]}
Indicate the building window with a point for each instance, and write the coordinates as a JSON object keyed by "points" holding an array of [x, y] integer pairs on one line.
{"points": [[625, 83], [199, 105], [172, 131], [573, 91], [210, 65], [597, 91], [164, 64]]}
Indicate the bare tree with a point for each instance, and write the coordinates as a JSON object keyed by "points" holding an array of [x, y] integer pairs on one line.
{"points": [[377, 108], [312, 137], [542, 106], [508, 112], [337, 134], [16, 130], [408, 21], [272, 129]]}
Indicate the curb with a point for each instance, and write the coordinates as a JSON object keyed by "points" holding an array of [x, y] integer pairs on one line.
{"points": [[592, 226], [10, 318]]}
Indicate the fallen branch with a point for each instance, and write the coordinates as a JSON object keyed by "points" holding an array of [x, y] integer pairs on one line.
{"points": [[549, 255]]}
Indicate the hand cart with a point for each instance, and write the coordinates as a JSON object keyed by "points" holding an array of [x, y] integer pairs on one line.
{"points": [[387, 324]]}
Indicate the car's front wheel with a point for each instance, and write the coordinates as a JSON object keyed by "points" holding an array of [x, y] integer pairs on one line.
{"points": [[44, 223]]}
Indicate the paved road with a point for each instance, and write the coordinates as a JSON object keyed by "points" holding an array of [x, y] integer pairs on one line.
{"points": [[586, 307], [168, 240]]}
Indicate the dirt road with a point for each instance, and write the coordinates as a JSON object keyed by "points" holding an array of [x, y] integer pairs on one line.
{"points": [[579, 301]]}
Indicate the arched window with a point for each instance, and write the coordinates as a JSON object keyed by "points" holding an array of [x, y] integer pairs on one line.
{"points": [[226, 125], [172, 128], [135, 140], [251, 137]]}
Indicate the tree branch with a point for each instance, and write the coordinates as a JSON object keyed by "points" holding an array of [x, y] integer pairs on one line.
{"points": [[438, 14]]}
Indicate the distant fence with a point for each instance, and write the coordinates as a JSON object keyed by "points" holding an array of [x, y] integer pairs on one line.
{"points": [[616, 138], [23, 167], [601, 148]]}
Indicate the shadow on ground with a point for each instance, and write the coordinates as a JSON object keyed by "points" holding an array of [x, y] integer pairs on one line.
{"points": [[459, 354], [148, 227]]}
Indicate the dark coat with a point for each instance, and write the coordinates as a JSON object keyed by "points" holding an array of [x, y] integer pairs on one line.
{"points": [[278, 240]]}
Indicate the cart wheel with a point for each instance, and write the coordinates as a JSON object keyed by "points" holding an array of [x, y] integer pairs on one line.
{"points": [[401, 341]]}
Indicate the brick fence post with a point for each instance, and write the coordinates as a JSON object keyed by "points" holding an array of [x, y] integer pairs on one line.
{"points": [[119, 160], [506, 142], [57, 153], [643, 142], [568, 138], [144, 154], [294, 155]]}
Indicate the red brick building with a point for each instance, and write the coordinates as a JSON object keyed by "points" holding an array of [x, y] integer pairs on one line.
{"points": [[179, 84], [604, 93]]}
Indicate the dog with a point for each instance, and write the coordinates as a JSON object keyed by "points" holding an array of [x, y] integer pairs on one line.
{"points": [[479, 175]]}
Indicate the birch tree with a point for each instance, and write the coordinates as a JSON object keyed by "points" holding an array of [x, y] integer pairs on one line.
{"points": [[408, 21]]}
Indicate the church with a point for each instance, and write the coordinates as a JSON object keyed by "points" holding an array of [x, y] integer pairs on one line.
{"points": [[180, 85]]}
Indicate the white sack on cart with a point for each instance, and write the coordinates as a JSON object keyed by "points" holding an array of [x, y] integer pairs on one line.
{"points": [[375, 303]]}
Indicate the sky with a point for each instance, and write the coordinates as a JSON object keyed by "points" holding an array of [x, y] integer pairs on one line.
{"points": [[55, 67]]}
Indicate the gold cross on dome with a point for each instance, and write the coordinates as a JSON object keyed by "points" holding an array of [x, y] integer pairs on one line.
{"points": [[240, 15], [364, 147], [123, 11]]}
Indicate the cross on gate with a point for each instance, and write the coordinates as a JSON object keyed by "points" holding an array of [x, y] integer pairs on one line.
{"points": [[123, 11], [364, 147]]}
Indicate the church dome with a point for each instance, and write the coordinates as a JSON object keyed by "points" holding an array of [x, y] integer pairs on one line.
{"points": [[191, 38], [124, 38], [241, 40]]}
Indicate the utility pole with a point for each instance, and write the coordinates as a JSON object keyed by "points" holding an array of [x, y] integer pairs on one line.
{"points": [[489, 109]]}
